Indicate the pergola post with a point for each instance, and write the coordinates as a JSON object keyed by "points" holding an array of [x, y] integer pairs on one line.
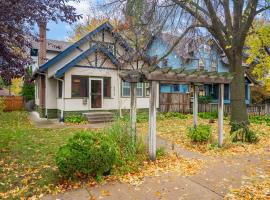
{"points": [[220, 114], [152, 120], [195, 105], [133, 110]]}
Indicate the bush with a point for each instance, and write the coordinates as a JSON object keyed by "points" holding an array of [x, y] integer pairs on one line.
{"points": [[259, 119], [132, 153], [28, 91], [87, 153], [201, 133], [208, 115], [241, 132], [205, 99], [76, 119]]}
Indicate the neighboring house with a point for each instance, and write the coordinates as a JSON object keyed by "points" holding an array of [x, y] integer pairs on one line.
{"points": [[84, 76], [203, 54]]}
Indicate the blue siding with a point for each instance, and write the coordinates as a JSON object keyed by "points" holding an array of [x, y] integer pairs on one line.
{"points": [[159, 48]]}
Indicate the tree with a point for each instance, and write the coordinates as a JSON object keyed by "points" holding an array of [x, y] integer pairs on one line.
{"points": [[28, 88], [17, 20], [16, 86], [229, 23], [258, 51]]}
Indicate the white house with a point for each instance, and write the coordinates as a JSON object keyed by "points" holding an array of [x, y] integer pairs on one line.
{"points": [[84, 76]]}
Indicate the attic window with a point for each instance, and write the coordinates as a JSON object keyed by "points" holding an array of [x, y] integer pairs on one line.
{"points": [[165, 62], [201, 64], [214, 65]]}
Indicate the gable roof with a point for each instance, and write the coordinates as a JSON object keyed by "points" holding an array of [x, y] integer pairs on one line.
{"points": [[88, 52], [102, 27]]}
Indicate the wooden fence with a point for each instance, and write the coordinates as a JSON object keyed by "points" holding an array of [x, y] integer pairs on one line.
{"points": [[174, 102], [13, 103]]}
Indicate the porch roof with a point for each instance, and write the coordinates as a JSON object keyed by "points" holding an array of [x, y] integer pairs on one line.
{"points": [[179, 75]]}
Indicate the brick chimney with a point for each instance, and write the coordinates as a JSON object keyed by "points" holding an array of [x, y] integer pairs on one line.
{"points": [[42, 43]]}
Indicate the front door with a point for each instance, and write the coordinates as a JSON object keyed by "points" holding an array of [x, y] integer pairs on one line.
{"points": [[96, 92]]}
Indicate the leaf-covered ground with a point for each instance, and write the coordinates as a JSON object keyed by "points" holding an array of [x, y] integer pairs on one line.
{"points": [[27, 160], [175, 130]]}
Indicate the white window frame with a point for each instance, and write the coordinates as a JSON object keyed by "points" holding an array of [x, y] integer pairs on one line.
{"points": [[125, 86], [139, 86]]}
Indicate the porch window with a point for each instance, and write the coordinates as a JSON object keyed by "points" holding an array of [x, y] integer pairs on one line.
{"points": [[125, 89], [60, 89], [146, 89], [80, 86], [107, 87]]}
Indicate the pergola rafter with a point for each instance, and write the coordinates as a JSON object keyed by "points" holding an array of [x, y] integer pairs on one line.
{"points": [[155, 75]]}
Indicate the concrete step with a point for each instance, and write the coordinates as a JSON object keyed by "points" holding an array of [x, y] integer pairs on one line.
{"points": [[99, 117]]}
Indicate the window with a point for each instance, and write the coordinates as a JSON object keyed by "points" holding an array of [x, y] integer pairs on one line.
{"points": [[139, 90], [107, 87], [226, 92], [125, 89], [174, 88], [146, 89], [165, 62], [34, 52], [80, 86], [214, 65], [201, 64], [60, 89]]}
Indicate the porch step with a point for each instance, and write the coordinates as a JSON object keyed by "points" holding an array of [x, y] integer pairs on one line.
{"points": [[99, 117]]}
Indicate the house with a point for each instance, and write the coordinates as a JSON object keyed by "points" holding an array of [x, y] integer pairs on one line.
{"points": [[84, 76], [202, 53]]}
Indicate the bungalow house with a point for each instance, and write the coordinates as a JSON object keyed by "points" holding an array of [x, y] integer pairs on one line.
{"points": [[83, 77]]}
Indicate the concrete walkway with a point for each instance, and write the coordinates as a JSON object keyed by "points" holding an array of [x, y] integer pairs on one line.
{"points": [[213, 182]]}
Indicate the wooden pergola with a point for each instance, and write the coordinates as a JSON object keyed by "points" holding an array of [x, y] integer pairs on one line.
{"points": [[174, 76]]}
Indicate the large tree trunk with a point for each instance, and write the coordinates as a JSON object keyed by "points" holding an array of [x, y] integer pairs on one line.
{"points": [[238, 104]]}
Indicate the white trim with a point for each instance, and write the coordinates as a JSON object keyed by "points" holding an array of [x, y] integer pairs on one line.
{"points": [[90, 100]]}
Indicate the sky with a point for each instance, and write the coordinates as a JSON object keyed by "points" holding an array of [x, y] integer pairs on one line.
{"points": [[60, 31]]}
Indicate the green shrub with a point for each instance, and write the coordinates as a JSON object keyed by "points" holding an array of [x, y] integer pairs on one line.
{"points": [[131, 153], [174, 115], [208, 115], [259, 119], [241, 132], [87, 153], [204, 99], [201, 133], [160, 152], [2, 104], [76, 119], [28, 91]]}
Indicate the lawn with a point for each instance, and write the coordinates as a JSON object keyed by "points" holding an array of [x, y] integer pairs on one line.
{"points": [[174, 129], [27, 160], [27, 155]]}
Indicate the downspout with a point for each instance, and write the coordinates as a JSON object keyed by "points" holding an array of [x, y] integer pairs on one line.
{"points": [[63, 100]]}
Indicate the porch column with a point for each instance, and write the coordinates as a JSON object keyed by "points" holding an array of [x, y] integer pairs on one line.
{"points": [[152, 120], [195, 105], [133, 108], [220, 114]]}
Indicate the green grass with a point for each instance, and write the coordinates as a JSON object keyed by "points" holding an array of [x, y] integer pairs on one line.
{"points": [[27, 165]]}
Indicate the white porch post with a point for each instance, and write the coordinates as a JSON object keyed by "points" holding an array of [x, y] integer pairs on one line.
{"points": [[220, 114], [133, 108], [195, 105], [63, 101], [152, 120]]}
